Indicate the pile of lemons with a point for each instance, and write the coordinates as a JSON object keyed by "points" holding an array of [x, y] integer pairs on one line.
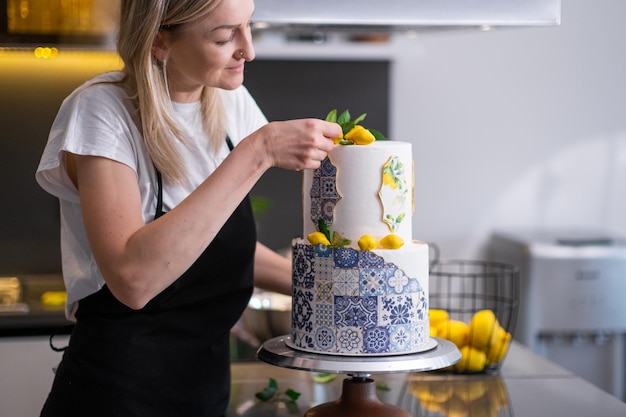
{"points": [[482, 342], [460, 398]]}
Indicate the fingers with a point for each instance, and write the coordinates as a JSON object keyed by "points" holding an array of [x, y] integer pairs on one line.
{"points": [[332, 130], [300, 144]]}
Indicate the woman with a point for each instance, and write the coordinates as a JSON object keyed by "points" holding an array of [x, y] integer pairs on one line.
{"points": [[158, 241]]}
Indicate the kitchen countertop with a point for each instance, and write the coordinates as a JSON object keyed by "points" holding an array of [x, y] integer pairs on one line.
{"points": [[526, 386]]}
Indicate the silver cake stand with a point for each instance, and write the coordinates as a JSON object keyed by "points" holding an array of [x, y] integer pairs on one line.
{"points": [[358, 397]]}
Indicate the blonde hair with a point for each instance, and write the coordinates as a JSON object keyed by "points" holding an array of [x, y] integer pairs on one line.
{"points": [[145, 79]]}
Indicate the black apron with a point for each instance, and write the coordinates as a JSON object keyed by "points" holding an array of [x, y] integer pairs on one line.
{"points": [[171, 358]]}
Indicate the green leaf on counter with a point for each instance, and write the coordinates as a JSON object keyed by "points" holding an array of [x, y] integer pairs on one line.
{"points": [[381, 386], [271, 393], [294, 395]]}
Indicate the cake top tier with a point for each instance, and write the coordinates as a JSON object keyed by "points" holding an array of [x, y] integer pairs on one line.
{"points": [[362, 190]]}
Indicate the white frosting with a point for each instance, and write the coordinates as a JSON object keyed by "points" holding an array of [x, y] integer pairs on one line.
{"points": [[412, 258], [360, 211]]}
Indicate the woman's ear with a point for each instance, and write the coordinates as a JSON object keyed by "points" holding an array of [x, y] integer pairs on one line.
{"points": [[159, 47]]}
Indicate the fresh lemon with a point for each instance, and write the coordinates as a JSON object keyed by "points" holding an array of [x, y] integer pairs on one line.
{"points": [[338, 139], [368, 242], [433, 331], [317, 238], [455, 331], [498, 350], [360, 135], [472, 360], [391, 241], [483, 330], [437, 316]]}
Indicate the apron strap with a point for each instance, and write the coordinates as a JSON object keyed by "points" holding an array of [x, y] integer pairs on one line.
{"points": [[159, 207]]}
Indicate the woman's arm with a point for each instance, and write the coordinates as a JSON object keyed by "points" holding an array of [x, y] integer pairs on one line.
{"points": [[272, 271], [139, 260]]}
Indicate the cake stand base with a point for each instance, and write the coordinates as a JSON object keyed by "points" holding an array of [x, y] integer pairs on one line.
{"points": [[358, 399]]}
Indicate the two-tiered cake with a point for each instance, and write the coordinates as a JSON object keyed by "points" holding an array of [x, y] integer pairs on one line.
{"points": [[350, 301]]}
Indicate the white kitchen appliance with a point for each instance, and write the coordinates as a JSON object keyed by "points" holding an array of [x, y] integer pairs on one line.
{"points": [[572, 300]]}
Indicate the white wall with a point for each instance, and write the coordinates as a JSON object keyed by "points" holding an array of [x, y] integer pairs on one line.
{"points": [[521, 127]]}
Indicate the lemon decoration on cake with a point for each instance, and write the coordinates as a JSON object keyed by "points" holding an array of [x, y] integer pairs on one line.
{"points": [[318, 238], [391, 241], [351, 131], [360, 136], [368, 242]]}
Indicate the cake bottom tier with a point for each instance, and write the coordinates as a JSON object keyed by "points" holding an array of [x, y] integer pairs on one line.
{"points": [[352, 302]]}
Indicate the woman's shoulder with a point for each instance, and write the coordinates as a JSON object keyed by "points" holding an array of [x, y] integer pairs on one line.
{"points": [[103, 87]]}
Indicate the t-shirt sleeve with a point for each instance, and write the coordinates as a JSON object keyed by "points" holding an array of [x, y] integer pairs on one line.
{"points": [[94, 122]]}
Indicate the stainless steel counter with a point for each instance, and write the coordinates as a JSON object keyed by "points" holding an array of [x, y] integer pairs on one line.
{"points": [[527, 386]]}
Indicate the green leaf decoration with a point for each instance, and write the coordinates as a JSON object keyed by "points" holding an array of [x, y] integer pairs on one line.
{"points": [[347, 124], [359, 119], [321, 226], [332, 116], [344, 117], [377, 134], [339, 241]]}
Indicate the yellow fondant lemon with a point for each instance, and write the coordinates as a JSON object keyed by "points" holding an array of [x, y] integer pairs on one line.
{"points": [[338, 139], [317, 238], [360, 135], [391, 241], [368, 242]]}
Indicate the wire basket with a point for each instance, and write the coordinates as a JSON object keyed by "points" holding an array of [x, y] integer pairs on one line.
{"points": [[474, 305]]}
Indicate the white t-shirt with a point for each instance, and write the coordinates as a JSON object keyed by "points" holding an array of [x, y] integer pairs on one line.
{"points": [[97, 119]]}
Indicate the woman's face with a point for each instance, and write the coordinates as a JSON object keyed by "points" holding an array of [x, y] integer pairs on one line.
{"points": [[208, 52]]}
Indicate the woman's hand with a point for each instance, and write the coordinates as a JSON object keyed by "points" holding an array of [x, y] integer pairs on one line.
{"points": [[297, 144]]}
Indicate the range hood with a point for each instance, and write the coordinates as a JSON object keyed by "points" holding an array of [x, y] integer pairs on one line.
{"points": [[401, 15]]}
